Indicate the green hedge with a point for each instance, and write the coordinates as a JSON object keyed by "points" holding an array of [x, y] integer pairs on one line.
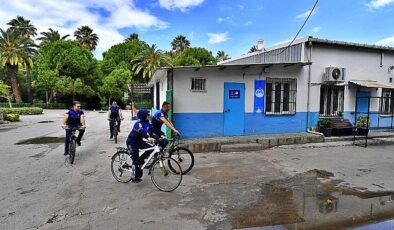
{"points": [[23, 111], [11, 117], [40, 105]]}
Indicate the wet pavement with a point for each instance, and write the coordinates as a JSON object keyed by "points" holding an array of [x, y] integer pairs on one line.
{"points": [[283, 188]]}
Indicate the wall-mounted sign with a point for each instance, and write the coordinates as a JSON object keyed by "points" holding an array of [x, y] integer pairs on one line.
{"points": [[259, 94], [234, 94]]}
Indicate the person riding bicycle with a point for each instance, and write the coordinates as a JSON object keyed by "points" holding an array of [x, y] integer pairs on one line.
{"points": [[161, 117], [114, 115], [73, 118], [141, 129]]}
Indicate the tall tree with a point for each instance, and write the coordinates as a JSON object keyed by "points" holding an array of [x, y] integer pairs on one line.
{"points": [[149, 60], [180, 43], [86, 37], [194, 57], [26, 29], [221, 56], [15, 50], [132, 37], [51, 36]]}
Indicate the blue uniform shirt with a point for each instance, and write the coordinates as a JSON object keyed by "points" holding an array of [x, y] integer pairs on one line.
{"points": [[74, 118], [140, 130], [114, 111], [156, 119]]}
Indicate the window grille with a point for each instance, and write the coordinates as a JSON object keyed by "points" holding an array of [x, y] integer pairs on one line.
{"points": [[198, 85], [281, 96]]}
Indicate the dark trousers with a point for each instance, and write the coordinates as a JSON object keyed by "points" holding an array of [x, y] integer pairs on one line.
{"points": [[135, 154], [111, 124], [68, 137]]}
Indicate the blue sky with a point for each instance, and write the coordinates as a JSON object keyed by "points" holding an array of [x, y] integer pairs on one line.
{"points": [[229, 25]]}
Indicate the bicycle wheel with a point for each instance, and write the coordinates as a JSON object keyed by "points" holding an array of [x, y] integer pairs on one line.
{"points": [[163, 177], [184, 157], [121, 163], [73, 147]]}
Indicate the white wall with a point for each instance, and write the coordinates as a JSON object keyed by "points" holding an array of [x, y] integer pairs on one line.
{"points": [[162, 90], [360, 64], [211, 101]]}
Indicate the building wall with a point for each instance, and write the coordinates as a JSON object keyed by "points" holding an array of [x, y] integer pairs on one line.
{"points": [[360, 64], [199, 114]]}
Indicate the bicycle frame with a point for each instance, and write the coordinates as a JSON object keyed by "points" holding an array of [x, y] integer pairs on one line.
{"points": [[155, 148]]}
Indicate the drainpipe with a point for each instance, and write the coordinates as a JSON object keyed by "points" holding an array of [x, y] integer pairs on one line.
{"points": [[309, 86], [313, 132]]}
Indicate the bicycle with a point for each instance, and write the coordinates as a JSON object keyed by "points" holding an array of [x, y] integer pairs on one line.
{"points": [[73, 144], [166, 173], [183, 155], [115, 130]]}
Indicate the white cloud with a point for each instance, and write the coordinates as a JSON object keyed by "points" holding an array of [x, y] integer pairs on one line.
{"points": [[305, 14], [386, 42], [225, 19], [248, 23], [215, 38], [67, 15], [316, 29], [182, 5], [191, 35], [376, 4]]}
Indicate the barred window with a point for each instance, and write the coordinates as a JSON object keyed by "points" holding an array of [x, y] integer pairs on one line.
{"points": [[281, 96], [198, 85], [331, 100], [387, 102]]}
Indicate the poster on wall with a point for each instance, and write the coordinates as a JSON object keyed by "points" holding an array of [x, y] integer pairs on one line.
{"points": [[259, 94]]}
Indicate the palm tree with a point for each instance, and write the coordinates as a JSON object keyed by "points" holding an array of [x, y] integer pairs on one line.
{"points": [[149, 60], [86, 37], [221, 56], [51, 36], [132, 37], [24, 28], [180, 43], [15, 50], [253, 49]]}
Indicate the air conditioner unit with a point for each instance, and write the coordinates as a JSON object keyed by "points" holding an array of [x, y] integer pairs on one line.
{"points": [[334, 74]]}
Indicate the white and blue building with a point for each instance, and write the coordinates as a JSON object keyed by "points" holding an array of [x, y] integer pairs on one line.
{"points": [[282, 89]]}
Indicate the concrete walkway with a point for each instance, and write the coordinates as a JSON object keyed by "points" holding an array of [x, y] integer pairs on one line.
{"points": [[309, 140]]}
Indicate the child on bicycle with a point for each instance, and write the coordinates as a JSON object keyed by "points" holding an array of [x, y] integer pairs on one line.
{"points": [[141, 129]]}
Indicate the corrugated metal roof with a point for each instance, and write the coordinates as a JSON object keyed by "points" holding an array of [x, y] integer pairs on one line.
{"points": [[371, 84]]}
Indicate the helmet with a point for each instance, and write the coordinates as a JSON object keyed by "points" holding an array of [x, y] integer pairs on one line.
{"points": [[143, 114]]}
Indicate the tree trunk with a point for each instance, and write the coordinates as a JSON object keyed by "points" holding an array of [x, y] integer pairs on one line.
{"points": [[50, 97], [28, 83], [13, 75]]}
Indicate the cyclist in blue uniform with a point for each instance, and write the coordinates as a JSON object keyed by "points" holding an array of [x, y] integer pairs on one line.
{"points": [[141, 129], [114, 115], [73, 118], [160, 118]]}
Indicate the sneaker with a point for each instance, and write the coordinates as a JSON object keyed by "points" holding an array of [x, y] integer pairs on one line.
{"points": [[78, 143], [65, 153], [137, 180], [111, 137]]}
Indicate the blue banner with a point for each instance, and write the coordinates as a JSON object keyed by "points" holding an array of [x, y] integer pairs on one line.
{"points": [[259, 95]]}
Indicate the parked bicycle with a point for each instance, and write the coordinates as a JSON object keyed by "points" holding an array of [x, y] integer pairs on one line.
{"points": [[115, 130], [183, 155], [165, 172], [73, 143]]}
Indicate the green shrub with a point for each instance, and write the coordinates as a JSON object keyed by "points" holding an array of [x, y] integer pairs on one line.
{"points": [[363, 122], [40, 105], [325, 123], [23, 111], [11, 117]]}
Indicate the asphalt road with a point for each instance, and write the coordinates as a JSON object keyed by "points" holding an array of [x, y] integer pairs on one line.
{"points": [[40, 191]]}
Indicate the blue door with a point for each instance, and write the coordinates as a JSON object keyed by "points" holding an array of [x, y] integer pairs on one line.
{"points": [[234, 109], [362, 102]]}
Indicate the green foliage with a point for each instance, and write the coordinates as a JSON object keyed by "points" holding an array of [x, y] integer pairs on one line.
{"points": [[85, 36], [23, 111], [123, 52], [11, 117], [4, 90], [115, 84], [149, 60], [325, 123], [194, 57], [51, 36], [40, 105], [15, 49], [363, 122], [180, 43]]}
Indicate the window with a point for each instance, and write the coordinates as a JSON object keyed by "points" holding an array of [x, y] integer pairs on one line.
{"points": [[331, 100], [281, 96], [198, 85], [387, 104]]}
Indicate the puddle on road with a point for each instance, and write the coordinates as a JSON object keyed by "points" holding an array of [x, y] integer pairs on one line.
{"points": [[45, 121], [304, 202], [41, 140]]}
